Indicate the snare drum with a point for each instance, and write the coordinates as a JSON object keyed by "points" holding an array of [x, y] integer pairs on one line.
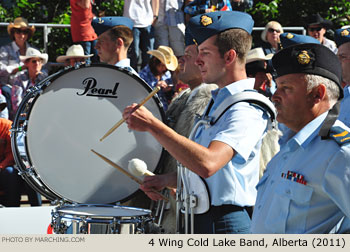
{"points": [[100, 219], [62, 118]]}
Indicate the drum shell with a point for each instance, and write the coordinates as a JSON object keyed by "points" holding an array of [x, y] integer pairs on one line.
{"points": [[59, 92]]}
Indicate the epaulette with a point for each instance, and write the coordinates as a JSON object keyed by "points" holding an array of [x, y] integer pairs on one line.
{"points": [[340, 135]]}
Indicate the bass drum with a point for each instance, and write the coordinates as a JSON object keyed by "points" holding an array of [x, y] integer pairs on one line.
{"points": [[62, 118]]}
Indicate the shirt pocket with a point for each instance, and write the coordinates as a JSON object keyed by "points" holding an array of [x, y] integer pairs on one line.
{"points": [[289, 207]]}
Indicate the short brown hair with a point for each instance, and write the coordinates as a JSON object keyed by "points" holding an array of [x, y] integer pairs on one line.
{"points": [[236, 39], [123, 32]]}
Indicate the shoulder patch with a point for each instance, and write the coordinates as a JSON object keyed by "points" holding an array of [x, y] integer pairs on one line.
{"points": [[340, 135]]}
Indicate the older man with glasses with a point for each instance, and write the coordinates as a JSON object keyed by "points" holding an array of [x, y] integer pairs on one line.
{"points": [[34, 61]]}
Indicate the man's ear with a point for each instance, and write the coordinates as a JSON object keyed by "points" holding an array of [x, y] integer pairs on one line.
{"points": [[319, 93], [230, 56], [120, 42]]}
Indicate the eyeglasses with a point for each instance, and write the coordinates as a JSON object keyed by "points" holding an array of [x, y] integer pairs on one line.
{"points": [[312, 29], [19, 31], [273, 30]]}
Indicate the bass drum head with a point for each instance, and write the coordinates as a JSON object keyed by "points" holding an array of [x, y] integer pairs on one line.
{"points": [[68, 120]]}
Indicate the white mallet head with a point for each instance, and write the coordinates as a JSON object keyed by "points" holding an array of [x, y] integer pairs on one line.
{"points": [[138, 167]]}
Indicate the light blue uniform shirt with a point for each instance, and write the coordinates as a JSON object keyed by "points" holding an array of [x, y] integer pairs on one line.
{"points": [[241, 127], [286, 206], [125, 63], [344, 114]]}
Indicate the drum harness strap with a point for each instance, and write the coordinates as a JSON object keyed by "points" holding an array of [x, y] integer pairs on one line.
{"points": [[187, 201]]}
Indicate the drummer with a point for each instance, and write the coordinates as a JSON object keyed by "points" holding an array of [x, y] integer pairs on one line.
{"points": [[114, 39], [225, 155], [74, 54]]}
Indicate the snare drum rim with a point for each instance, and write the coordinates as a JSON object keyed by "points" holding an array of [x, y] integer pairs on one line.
{"points": [[47, 191]]}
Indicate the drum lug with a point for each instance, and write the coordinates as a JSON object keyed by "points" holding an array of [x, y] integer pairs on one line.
{"points": [[58, 226], [36, 89], [84, 227], [16, 130]]}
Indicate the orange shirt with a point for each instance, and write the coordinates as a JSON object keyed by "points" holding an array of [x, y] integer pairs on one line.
{"points": [[6, 157], [80, 23]]}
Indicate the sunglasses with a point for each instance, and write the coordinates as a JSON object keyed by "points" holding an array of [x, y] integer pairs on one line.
{"points": [[273, 30], [19, 31], [315, 29]]}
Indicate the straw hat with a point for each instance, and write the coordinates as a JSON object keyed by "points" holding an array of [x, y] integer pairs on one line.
{"points": [[166, 55], [34, 53], [257, 54], [272, 24], [21, 23], [74, 51]]}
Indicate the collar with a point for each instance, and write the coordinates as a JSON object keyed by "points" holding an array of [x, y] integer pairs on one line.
{"points": [[221, 93], [15, 46], [123, 63], [307, 134]]}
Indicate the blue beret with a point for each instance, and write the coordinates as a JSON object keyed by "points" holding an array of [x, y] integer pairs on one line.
{"points": [[103, 24], [288, 39], [204, 26], [309, 59], [342, 36], [188, 38]]}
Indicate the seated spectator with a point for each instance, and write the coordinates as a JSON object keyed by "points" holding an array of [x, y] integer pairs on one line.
{"points": [[256, 67], [157, 72], [33, 60], [270, 39], [317, 27], [10, 64], [74, 54], [11, 184], [7, 172]]}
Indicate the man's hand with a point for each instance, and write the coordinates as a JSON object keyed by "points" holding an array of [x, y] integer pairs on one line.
{"points": [[138, 118], [158, 183]]}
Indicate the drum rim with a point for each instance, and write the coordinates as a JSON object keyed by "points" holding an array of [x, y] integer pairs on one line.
{"points": [[146, 211], [47, 191]]}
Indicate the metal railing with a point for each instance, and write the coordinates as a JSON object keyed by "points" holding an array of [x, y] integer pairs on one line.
{"points": [[47, 29]]}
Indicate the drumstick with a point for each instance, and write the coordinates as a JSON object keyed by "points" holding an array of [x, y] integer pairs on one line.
{"points": [[137, 180], [155, 90]]}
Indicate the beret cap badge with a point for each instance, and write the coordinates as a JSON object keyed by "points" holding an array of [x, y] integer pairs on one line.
{"points": [[100, 21], [289, 36], [303, 58], [345, 33], [205, 20]]}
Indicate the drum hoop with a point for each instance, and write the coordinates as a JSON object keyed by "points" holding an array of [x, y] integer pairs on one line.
{"points": [[59, 211], [32, 94]]}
